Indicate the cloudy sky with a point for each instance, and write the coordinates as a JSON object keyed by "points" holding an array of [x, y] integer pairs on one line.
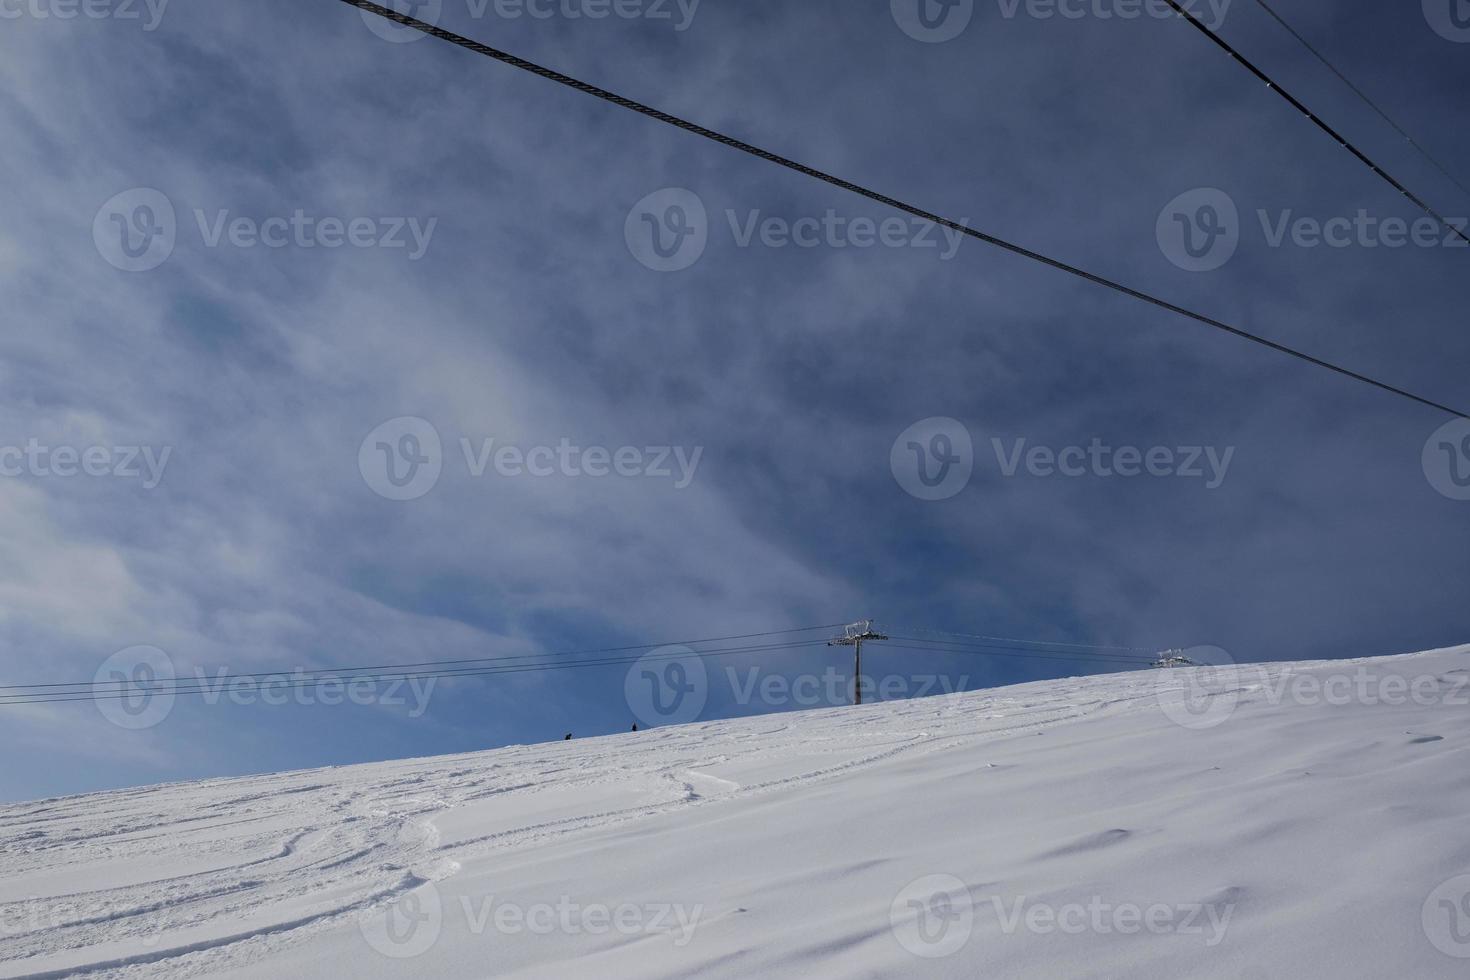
{"points": [[243, 243]]}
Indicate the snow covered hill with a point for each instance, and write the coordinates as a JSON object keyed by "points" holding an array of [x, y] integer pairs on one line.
{"points": [[1308, 820]]}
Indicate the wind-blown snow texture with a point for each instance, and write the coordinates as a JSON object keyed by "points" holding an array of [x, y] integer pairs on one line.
{"points": [[1083, 828]]}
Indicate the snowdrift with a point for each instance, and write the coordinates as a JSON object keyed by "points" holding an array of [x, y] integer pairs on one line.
{"points": [[1301, 820]]}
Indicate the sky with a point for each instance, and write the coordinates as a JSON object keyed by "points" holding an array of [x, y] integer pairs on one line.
{"points": [[329, 344]]}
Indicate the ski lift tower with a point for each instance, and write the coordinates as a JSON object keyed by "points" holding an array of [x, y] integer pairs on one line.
{"points": [[1171, 659], [853, 636]]}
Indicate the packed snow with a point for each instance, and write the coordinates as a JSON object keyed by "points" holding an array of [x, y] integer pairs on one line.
{"points": [[1300, 820]]}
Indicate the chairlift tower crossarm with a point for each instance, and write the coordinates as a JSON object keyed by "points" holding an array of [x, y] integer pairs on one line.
{"points": [[853, 636]]}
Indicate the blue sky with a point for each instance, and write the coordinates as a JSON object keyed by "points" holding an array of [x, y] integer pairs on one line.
{"points": [[519, 312]]}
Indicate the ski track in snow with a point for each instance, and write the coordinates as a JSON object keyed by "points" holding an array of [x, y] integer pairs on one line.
{"points": [[186, 879]]}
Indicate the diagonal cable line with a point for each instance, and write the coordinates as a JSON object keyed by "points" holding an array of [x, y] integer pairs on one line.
{"points": [[477, 660], [184, 686], [1321, 124], [160, 690], [1100, 664], [801, 168], [298, 678], [1012, 639], [1364, 96], [948, 646]]}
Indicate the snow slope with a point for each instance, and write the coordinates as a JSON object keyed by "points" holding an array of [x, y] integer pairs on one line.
{"points": [[1123, 825]]}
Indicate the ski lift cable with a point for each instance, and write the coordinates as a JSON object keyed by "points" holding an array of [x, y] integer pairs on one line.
{"points": [[1363, 96], [611, 97], [1012, 639], [479, 660], [1317, 120], [1120, 665], [1020, 651], [142, 689]]}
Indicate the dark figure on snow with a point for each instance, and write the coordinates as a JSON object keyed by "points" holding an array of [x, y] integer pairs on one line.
{"points": [[568, 738]]}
